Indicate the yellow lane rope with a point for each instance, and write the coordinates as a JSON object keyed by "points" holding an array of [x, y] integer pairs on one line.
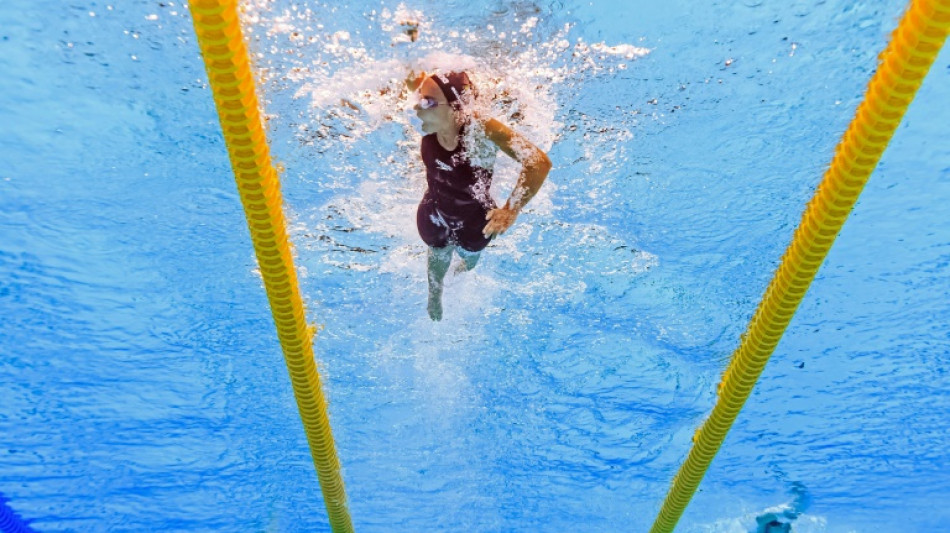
{"points": [[225, 55], [903, 64]]}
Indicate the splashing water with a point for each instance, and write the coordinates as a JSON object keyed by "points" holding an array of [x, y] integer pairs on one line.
{"points": [[338, 94]]}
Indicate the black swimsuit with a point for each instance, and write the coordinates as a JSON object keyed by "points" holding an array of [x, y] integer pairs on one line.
{"points": [[455, 204]]}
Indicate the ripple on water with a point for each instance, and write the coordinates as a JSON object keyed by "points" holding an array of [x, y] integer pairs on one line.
{"points": [[208, 201]]}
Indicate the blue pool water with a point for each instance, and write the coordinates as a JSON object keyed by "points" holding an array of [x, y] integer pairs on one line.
{"points": [[141, 384]]}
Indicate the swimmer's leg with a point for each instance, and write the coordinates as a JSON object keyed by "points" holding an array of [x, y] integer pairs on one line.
{"points": [[439, 260], [468, 260]]}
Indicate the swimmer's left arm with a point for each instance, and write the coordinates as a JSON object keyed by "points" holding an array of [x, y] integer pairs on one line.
{"points": [[535, 166]]}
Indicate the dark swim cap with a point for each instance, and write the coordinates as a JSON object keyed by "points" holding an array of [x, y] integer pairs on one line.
{"points": [[453, 85]]}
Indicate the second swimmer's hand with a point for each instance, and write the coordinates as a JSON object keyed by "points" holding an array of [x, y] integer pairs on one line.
{"points": [[499, 220]]}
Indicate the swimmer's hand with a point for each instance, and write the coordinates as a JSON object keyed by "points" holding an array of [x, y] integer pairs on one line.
{"points": [[414, 80], [499, 220]]}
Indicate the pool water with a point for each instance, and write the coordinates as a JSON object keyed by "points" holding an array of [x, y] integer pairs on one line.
{"points": [[141, 384]]}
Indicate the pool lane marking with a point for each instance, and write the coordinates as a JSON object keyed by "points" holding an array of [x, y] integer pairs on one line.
{"points": [[903, 65], [217, 26]]}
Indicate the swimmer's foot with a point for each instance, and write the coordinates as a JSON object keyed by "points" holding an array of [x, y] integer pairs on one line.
{"points": [[460, 267], [435, 305], [467, 261]]}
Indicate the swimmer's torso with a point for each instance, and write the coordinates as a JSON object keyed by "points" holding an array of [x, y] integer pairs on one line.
{"points": [[455, 185]]}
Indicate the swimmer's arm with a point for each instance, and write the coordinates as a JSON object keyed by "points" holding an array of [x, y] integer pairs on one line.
{"points": [[535, 164]]}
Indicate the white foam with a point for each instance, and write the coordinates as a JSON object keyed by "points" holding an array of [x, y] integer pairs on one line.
{"points": [[626, 50], [351, 93]]}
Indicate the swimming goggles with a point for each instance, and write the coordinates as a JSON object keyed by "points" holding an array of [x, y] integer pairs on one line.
{"points": [[426, 102]]}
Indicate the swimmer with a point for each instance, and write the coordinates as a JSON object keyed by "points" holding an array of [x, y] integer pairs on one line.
{"points": [[456, 213]]}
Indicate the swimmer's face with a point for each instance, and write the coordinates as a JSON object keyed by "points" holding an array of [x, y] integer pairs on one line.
{"points": [[438, 117]]}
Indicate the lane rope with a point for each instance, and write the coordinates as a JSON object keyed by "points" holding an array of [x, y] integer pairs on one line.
{"points": [[217, 26], [903, 65]]}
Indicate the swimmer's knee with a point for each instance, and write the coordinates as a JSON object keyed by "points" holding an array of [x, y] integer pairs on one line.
{"points": [[469, 257], [470, 262]]}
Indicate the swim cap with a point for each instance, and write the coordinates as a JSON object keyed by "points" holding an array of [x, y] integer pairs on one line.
{"points": [[453, 85]]}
